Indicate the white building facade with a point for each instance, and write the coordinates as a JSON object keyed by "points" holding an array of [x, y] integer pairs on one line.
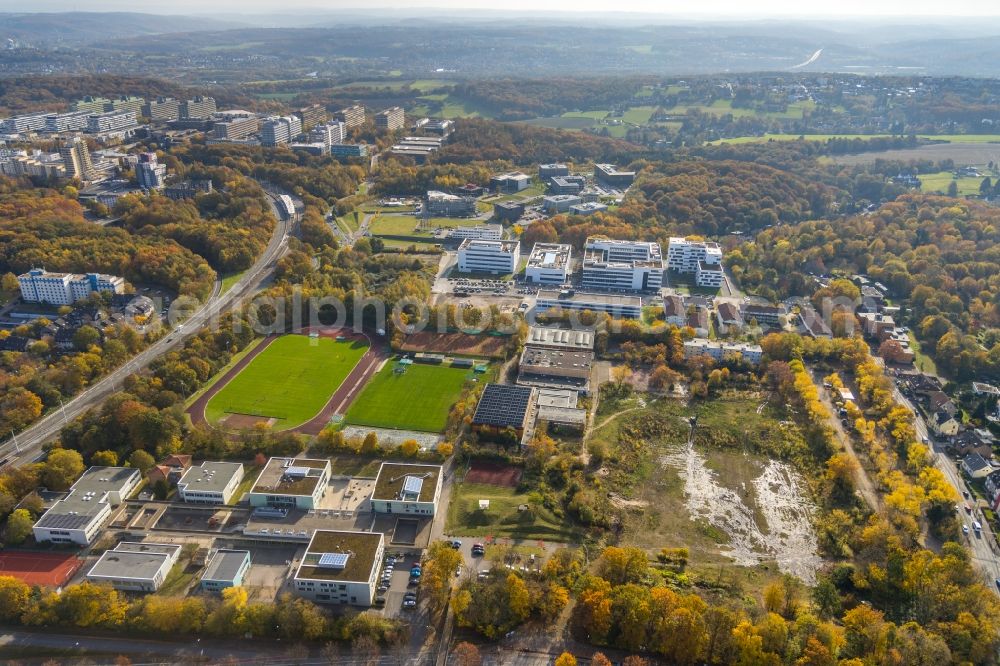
{"points": [[495, 257], [618, 265]]}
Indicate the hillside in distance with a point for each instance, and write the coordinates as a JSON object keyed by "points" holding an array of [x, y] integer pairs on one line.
{"points": [[69, 28]]}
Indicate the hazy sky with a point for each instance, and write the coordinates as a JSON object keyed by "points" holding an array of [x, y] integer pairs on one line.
{"points": [[735, 8]]}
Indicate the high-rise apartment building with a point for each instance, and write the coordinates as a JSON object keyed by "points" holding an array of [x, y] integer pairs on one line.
{"points": [[311, 116], [66, 122], [279, 130], [162, 109], [235, 127], [390, 119], [352, 116], [149, 173], [112, 121], [76, 159], [198, 107]]}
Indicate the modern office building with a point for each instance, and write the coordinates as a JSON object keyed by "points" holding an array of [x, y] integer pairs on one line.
{"points": [[391, 119], [559, 203], [620, 265], [349, 149], [587, 208], [723, 351], [684, 256], [709, 275], [352, 116], [310, 116], [235, 126], [508, 211], [550, 170], [149, 174], [567, 184], [478, 232], [66, 122], [496, 257], [111, 121], [279, 130], [403, 489], [609, 175], [548, 263], [76, 158], [197, 108], [210, 483], [226, 568], [623, 307], [510, 183], [291, 483], [40, 286], [162, 109], [340, 567], [329, 134], [135, 566], [440, 126], [77, 518], [442, 204]]}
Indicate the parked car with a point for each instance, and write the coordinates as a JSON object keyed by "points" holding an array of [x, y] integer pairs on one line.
{"points": [[456, 544]]}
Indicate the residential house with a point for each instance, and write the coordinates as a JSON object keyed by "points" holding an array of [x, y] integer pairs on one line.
{"points": [[729, 318], [944, 424], [971, 440], [938, 401], [170, 469], [697, 318], [976, 467], [674, 310]]}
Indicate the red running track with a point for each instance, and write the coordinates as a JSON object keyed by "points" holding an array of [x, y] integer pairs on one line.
{"points": [[337, 403]]}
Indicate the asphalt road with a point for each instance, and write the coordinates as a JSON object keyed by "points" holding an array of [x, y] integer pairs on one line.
{"points": [[983, 547], [27, 445]]}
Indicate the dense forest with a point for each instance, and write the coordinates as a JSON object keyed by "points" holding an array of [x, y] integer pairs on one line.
{"points": [[940, 255], [41, 227], [486, 140]]}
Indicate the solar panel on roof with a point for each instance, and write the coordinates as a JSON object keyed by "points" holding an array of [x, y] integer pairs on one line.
{"points": [[333, 560], [412, 485]]}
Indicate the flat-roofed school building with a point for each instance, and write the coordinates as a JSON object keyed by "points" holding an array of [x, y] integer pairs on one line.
{"points": [[340, 567], [210, 483], [79, 516], [135, 566], [227, 568], [291, 483], [407, 489]]}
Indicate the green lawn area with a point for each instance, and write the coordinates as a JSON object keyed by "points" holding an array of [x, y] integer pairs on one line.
{"points": [[418, 399], [233, 361], [405, 225], [502, 519], [593, 115], [290, 381], [921, 360], [229, 280], [177, 581], [939, 182], [563, 122], [950, 138], [639, 115], [405, 245], [250, 474]]}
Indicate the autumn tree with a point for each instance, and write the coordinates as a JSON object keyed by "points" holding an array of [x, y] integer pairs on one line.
{"points": [[565, 659], [466, 654], [61, 468], [18, 527]]}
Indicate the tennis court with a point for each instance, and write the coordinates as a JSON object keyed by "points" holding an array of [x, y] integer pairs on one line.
{"points": [[48, 569]]}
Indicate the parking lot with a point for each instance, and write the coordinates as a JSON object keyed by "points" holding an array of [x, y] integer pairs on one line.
{"points": [[393, 588], [460, 286]]}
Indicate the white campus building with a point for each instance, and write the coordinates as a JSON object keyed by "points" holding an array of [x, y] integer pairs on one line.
{"points": [[40, 286], [135, 566], [548, 263], [340, 567], [482, 256], [703, 259], [407, 489], [78, 517], [478, 232], [210, 483], [621, 265]]}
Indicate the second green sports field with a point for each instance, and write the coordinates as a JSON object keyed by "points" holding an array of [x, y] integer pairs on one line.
{"points": [[417, 399], [290, 381]]}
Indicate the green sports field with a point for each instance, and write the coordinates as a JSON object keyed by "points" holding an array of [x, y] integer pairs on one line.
{"points": [[289, 381], [418, 399]]}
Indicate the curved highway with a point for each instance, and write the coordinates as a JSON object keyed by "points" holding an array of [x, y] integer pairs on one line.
{"points": [[27, 445]]}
